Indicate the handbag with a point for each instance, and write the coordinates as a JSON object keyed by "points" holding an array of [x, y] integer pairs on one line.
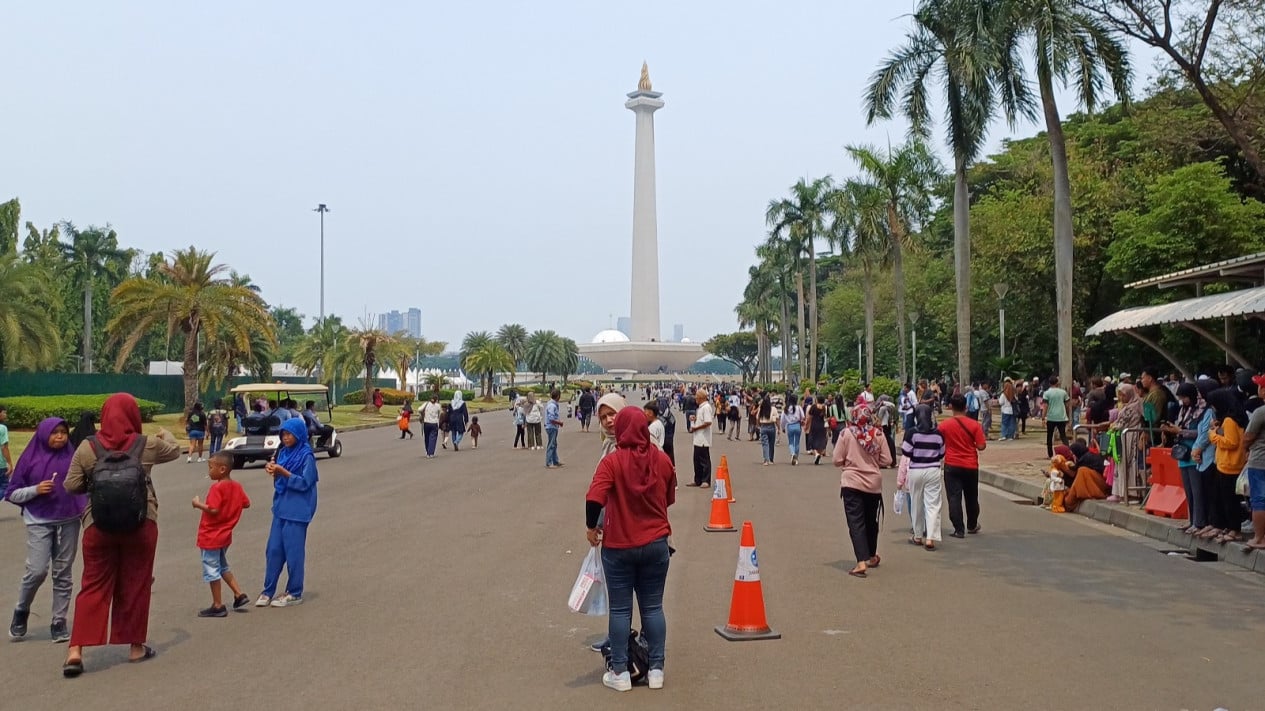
{"points": [[1181, 452]]}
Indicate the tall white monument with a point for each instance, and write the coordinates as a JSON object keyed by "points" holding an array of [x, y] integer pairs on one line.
{"points": [[644, 350]]}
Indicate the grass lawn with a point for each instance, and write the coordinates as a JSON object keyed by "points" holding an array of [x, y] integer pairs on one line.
{"points": [[344, 416]]}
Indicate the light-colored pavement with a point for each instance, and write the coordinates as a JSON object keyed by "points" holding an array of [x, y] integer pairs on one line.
{"points": [[441, 585]]}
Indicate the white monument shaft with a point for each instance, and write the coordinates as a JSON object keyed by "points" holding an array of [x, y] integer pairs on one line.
{"points": [[645, 243]]}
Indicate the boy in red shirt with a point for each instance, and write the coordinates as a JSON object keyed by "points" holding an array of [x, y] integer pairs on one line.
{"points": [[963, 441], [223, 509]]}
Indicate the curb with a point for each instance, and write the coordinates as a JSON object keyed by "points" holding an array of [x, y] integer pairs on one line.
{"points": [[1137, 521]]}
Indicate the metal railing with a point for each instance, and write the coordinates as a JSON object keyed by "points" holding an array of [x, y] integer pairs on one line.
{"points": [[1131, 465]]}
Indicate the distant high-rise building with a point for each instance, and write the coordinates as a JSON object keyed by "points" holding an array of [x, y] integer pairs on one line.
{"points": [[624, 325], [395, 322], [678, 332]]}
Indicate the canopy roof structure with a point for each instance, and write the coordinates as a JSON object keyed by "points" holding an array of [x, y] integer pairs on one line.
{"points": [[1249, 269], [1187, 313], [289, 388]]}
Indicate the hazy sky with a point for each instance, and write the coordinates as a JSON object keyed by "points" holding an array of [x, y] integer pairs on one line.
{"points": [[476, 157]]}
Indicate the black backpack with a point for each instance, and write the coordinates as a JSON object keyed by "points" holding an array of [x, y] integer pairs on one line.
{"points": [[638, 656], [218, 425], [117, 488]]}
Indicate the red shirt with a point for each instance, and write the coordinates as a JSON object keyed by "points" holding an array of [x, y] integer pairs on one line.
{"points": [[215, 531], [636, 509], [962, 439]]}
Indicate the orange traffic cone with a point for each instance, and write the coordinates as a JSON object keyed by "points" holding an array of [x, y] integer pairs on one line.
{"points": [[722, 472], [746, 607], [719, 521]]}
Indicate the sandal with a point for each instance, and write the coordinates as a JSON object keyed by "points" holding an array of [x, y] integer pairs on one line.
{"points": [[930, 547], [857, 572], [1229, 537], [149, 653], [873, 562], [915, 541], [70, 670]]}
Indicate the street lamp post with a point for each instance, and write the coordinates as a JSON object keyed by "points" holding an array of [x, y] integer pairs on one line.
{"points": [[860, 369], [1001, 289], [321, 208], [913, 322]]}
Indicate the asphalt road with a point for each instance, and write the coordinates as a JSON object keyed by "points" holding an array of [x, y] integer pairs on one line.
{"points": [[441, 584]]}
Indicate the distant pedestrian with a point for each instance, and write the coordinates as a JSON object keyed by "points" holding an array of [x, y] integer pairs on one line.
{"points": [[792, 425], [217, 426], [860, 454], [431, 414], [51, 515], [225, 501], [377, 399], [85, 428], [458, 418], [239, 412], [195, 430], [1057, 414], [534, 416], [475, 431], [520, 424], [701, 427], [923, 445], [553, 424]]}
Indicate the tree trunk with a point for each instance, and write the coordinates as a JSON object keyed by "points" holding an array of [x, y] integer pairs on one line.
{"points": [[799, 320], [898, 276], [87, 326], [190, 369], [1063, 256], [812, 310], [786, 332], [962, 266], [368, 388], [869, 322]]}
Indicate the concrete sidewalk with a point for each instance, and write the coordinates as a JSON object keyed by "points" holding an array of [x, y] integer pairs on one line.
{"points": [[1019, 468]]}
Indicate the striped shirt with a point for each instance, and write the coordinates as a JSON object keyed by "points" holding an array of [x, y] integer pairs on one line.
{"points": [[923, 450]]}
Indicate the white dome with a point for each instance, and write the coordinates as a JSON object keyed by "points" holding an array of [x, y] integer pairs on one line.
{"points": [[610, 336], [686, 340]]}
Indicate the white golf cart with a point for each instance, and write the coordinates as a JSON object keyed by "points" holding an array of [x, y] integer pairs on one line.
{"points": [[262, 436]]}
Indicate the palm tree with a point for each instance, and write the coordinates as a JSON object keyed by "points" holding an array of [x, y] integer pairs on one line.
{"points": [[569, 358], [513, 336], [758, 310], [950, 42], [488, 360], [1071, 46], [324, 350], [190, 295], [861, 221], [906, 176], [546, 353], [91, 252], [28, 335], [221, 358], [801, 216], [775, 257], [366, 342]]}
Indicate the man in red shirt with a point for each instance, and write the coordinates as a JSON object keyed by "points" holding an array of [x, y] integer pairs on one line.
{"points": [[223, 509], [963, 441]]}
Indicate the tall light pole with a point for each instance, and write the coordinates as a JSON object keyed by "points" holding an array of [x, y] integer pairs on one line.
{"points": [[321, 208], [913, 322], [860, 369], [1001, 289]]}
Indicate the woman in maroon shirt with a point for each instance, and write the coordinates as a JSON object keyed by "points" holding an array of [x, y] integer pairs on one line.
{"points": [[636, 484]]}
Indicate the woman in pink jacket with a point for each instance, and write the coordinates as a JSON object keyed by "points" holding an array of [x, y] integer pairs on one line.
{"points": [[860, 453]]}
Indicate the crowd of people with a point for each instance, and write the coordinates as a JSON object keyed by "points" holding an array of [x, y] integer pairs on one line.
{"points": [[89, 492]]}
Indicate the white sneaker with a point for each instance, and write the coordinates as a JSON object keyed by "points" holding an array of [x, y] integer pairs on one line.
{"points": [[287, 600], [655, 677], [263, 601], [201, 460], [189, 460], [618, 682]]}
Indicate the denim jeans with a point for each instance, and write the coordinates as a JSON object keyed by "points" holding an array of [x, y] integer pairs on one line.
{"points": [[768, 440], [551, 447], [643, 571], [217, 442], [793, 432], [1007, 426], [430, 433]]}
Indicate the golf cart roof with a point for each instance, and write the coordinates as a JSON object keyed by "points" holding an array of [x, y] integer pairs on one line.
{"points": [[291, 388]]}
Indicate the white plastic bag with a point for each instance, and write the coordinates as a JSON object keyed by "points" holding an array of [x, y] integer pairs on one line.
{"points": [[1241, 484], [588, 595], [898, 502]]}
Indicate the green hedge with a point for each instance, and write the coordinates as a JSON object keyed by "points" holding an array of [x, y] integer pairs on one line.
{"points": [[390, 396], [26, 412]]}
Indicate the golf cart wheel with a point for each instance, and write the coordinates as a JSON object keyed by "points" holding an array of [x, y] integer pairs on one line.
{"points": [[239, 462], [336, 451]]}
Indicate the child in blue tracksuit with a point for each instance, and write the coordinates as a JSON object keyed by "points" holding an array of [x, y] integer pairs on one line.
{"points": [[294, 480]]}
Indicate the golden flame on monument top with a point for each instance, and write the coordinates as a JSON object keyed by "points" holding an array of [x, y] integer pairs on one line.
{"points": [[644, 83]]}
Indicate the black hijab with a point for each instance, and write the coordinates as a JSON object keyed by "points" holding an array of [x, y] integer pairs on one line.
{"points": [[86, 428], [1225, 404]]}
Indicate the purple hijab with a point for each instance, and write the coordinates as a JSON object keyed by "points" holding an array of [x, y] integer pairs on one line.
{"points": [[39, 462]]}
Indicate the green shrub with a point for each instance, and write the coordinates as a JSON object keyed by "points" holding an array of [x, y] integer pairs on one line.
{"points": [[26, 412], [391, 396]]}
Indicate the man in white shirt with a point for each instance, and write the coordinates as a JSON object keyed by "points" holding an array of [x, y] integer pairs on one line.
{"points": [[701, 427], [657, 431], [908, 401]]}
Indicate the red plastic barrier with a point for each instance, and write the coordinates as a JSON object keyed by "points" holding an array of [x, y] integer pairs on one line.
{"points": [[1167, 497]]}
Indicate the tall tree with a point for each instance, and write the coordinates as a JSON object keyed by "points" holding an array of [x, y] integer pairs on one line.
{"points": [[191, 295], [28, 335], [1072, 46], [906, 175], [777, 260], [325, 351], [1188, 34], [759, 310], [861, 225], [289, 330], [489, 359], [547, 353], [92, 251], [513, 337], [801, 217], [10, 214], [951, 44], [367, 342]]}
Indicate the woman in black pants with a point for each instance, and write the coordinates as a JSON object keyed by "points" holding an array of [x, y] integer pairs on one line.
{"points": [[860, 454]]}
